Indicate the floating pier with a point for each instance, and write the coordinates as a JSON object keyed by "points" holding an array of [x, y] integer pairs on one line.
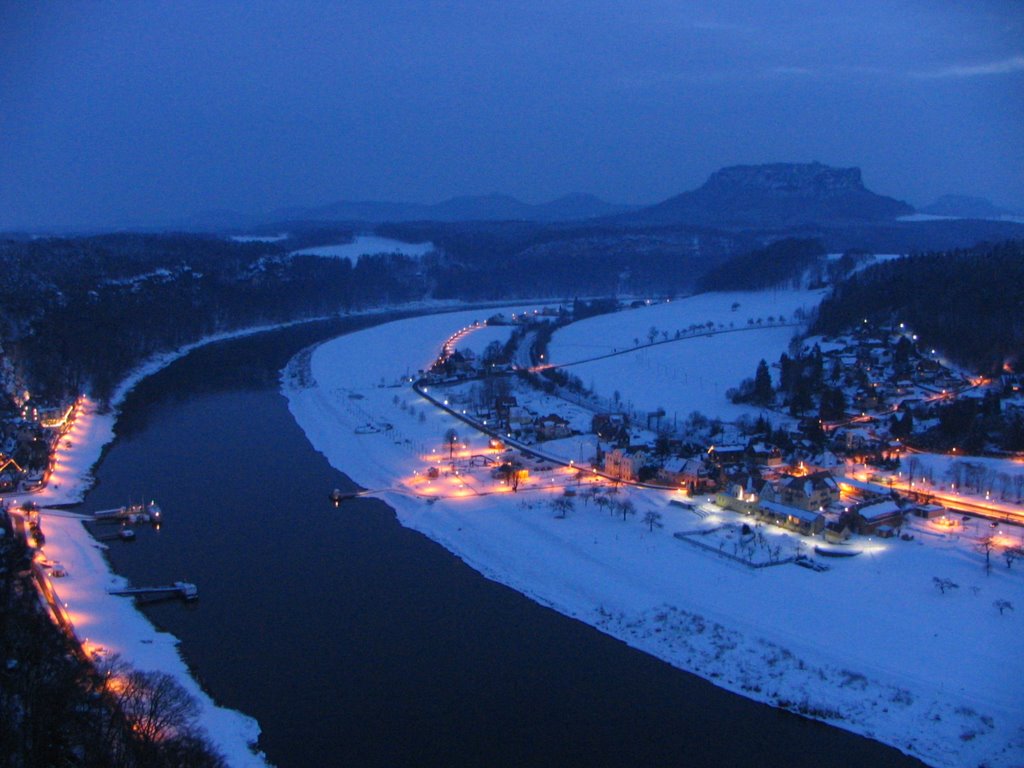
{"points": [[131, 512], [182, 589]]}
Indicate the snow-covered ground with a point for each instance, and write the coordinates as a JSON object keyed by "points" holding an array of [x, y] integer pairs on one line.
{"points": [[933, 217], [260, 238], [480, 338], [870, 261], [870, 645], [367, 245], [693, 373]]}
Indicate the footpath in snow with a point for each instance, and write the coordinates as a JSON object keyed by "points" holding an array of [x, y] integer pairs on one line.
{"points": [[869, 645]]}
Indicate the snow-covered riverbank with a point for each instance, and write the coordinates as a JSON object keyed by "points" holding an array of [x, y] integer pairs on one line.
{"points": [[109, 624], [870, 646]]}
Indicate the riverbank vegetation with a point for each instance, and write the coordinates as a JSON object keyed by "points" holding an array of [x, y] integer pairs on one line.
{"points": [[57, 708]]}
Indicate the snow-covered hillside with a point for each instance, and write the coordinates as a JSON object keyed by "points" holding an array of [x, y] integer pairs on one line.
{"points": [[694, 372], [366, 245]]}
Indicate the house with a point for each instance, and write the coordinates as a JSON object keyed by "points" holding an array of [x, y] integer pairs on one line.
{"points": [[613, 427], [742, 493], [867, 519], [624, 464], [765, 454], [928, 511], [812, 492], [692, 474], [503, 404], [730, 453], [10, 474], [552, 427], [519, 419], [800, 520], [865, 400], [838, 531]]}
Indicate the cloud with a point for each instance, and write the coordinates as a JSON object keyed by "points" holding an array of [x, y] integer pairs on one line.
{"points": [[1003, 67]]}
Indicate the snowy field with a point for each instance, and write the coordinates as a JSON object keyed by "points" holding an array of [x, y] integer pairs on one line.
{"points": [[366, 245], [870, 645], [480, 338], [693, 373]]}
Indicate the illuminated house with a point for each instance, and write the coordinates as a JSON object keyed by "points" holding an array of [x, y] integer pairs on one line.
{"points": [[812, 492], [624, 465], [881, 518], [552, 427], [743, 493], [692, 474]]}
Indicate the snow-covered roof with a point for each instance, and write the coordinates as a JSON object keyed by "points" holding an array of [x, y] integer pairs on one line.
{"points": [[879, 510], [729, 448], [783, 509]]}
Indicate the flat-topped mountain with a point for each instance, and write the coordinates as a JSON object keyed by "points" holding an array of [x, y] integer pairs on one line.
{"points": [[774, 195]]}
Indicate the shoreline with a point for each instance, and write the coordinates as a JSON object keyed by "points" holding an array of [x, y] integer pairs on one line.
{"points": [[113, 624], [107, 624]]}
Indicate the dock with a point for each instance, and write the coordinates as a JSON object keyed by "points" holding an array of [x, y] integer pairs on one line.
{"points": [[182, 589], [132, 513]]}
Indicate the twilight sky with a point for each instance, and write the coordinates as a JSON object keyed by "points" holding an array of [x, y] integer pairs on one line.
{"points": [[121, 113]]}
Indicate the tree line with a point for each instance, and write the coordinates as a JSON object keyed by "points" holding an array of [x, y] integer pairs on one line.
{"points": [[965, 302]]}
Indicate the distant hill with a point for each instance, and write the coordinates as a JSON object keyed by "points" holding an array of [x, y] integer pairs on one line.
{"points": [[494, 207], [965, 207], [773, 196]]}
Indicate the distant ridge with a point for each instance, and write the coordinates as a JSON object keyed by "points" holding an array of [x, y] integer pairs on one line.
{"points": [[774, 196], [965, 207], [493, 207]]}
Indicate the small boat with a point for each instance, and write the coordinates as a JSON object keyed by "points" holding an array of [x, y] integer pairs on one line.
{"points": [[826, 552], [155, 513], [126, 534]]}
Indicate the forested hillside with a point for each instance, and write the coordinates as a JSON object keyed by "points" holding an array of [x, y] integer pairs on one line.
{"points": [[77, 314], [782, 263], [968, 303]]}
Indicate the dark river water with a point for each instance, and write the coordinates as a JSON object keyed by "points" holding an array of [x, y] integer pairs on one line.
{"points": [[356, 642]]}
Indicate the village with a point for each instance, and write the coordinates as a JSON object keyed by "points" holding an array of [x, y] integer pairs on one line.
{"points": [[30, 432], [827, 458]]}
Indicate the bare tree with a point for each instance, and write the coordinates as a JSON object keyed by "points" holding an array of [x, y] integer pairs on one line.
{"points": [[562, 505], [625, 507], [1003, 605], [944, 585], [986, 546], [156, 705], [653, 519], [451, 437]]}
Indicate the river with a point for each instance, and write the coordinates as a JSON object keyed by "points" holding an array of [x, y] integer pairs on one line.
{"points": [[355, 641]]}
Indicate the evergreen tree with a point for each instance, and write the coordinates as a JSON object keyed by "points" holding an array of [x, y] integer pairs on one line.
{"points": [[763, 392]]}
